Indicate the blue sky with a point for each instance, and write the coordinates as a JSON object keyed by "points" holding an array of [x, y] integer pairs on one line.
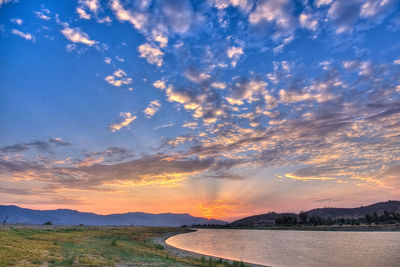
{"points": [[223, 107]]}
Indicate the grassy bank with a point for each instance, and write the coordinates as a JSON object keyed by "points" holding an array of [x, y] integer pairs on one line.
{"points": [[91, 246]]}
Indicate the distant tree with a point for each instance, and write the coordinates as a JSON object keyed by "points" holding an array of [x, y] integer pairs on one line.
{"points": [[303, 217], [375, 217], [386, 215], [368, 218], [48, 223]]}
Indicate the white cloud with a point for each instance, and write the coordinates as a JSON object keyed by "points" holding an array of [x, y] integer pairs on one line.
{"points": [[371, 8], [319, 3], [152, 54], [245, 89], [118, 78], [26, 36], [218, 85], [107, 60], [307, 21], [77, 36], [17, 21], [82, 13], [396, 62], [234, 53], [244, 5], [70, 47], [277, 12], [6, 1], [152, 108], [92, 5], [127, 119], [160, 84], [138, 20], [160, 38], [41, 15]]}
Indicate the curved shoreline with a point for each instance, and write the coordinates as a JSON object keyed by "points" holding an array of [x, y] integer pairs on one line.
{"points": [[161, 240]]}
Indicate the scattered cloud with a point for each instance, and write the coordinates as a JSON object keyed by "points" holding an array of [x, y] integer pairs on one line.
{"points": [[118, 78], [152, 108], [137, 19], [276, 12], [234, 53], [41, 15], [82, 13], [75, 35], [127, 120], [17, 21], [26, 36], [152, 54]]}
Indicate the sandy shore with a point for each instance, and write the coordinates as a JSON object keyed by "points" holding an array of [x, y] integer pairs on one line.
{"points": [[184, 253]]}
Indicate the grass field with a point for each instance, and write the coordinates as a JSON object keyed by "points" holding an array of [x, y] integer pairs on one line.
{"points": [[91, 246]]}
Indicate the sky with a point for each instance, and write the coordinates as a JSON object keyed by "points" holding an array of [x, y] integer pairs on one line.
{"points": [[218, 108]]}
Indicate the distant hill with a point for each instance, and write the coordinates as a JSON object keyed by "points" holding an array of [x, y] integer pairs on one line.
{"points": [[347, 213], [16, 214], [261, 219]]}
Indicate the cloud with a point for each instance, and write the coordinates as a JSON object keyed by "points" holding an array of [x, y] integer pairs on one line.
{"points": [[307, 21], [17, 21], [344, 14], [58, 141], [308, 178], [371, 8], [245, 89], [234, 53], [75, 35], [127, 120], [111, 154], [319, 3], [89, 162], [152, 54], [195, 76], [92, 5], [41, 15], [107, 60], [137, 19], [218, 85], [276, 12], [82, 13], [118, 78], [26, 36], [90, 174], [164, 126], [160, 84], [41, 145], [178, 14], [244, 5], [152, 108], [2, 2]]}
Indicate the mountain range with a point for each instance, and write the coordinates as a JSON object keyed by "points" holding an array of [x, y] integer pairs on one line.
{"points": [[16, 215], [346, 213]]}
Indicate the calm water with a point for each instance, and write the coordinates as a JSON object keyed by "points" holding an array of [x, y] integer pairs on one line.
{"points": [[295, 248]]}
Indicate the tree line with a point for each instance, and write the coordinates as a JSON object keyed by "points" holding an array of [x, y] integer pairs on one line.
{"points": [[304, 219]]}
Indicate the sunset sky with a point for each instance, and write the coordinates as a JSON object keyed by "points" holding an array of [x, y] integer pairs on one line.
{"points": [[219, 108]]}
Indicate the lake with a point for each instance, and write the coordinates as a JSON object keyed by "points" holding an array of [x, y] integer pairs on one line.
{"points": [[295, 248]]}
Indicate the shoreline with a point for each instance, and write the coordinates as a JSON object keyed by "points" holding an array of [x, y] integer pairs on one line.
{"points": [[161, 240], [363, 228]]}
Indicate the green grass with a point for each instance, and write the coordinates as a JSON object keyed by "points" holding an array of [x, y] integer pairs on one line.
{"points": [[92, 246]]}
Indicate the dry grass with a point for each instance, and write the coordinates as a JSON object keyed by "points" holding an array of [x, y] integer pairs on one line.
{"points": [[89, 246]]}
